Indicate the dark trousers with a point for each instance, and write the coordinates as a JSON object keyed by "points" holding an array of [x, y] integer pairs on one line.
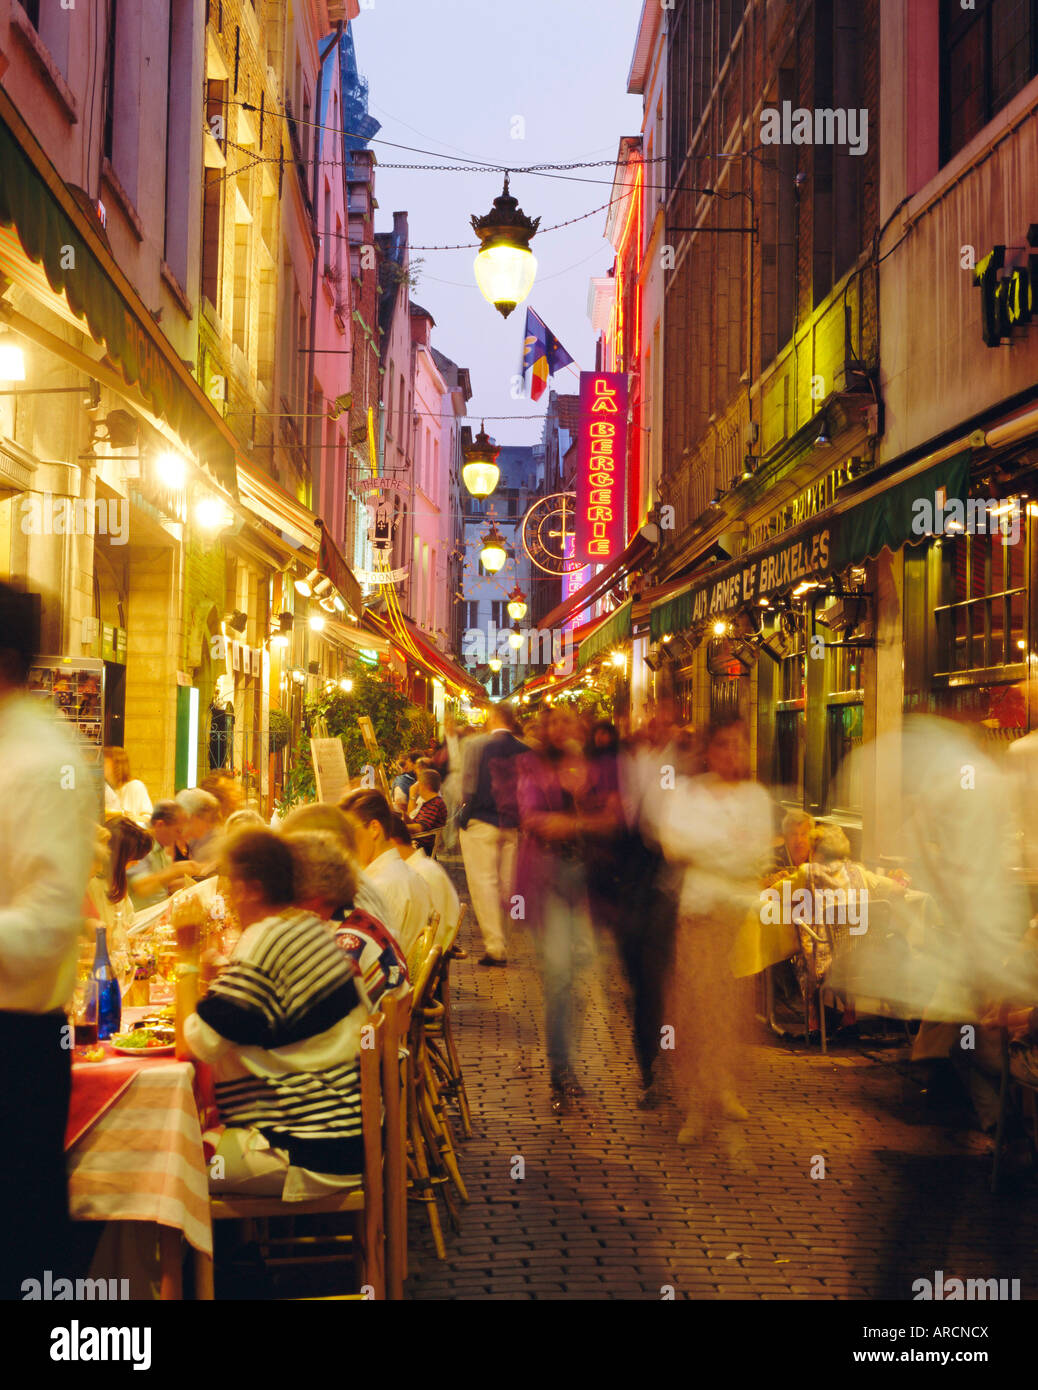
{"points": [[638, 903], [35, 1084]]}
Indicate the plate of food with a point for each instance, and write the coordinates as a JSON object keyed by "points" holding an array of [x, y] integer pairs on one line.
{"points": [[152, 1042]]}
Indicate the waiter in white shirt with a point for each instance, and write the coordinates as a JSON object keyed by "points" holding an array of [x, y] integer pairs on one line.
{"points": [[407, 896], [46, 847]]}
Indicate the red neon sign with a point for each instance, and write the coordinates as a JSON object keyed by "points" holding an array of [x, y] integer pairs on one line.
{"points": [[601, 466]]}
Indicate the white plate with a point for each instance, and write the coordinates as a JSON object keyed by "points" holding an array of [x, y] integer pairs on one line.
{"points": [[163, 1051]]}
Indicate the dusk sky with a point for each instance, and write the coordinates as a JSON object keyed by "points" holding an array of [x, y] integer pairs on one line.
{"points": [[436, 73]]}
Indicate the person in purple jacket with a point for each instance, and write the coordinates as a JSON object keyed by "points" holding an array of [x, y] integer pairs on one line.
{"points": [[556, 813]]}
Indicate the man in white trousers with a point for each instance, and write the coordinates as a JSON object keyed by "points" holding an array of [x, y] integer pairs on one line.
{"points": [[490, 829]]}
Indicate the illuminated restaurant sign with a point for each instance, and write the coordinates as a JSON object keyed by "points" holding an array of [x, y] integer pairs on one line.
{"points": [[601, 466]]}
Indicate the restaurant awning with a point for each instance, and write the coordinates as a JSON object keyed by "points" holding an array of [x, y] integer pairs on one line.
{"points": [[273, 504], [614, 629], [331, 563], [421, 651], [55, 232], [847, 533]]}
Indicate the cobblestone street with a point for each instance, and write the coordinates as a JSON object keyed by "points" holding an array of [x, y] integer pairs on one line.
{"points": [[611, 1207]]}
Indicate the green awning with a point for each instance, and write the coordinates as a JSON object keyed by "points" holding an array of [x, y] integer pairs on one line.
{"points": [[825, 545], [614, 630], [49, 236]]}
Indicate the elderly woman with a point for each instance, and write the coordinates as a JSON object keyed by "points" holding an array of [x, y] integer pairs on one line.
{"points": [[795, 848], [837, 894], [280, 1027], [326, 884]]}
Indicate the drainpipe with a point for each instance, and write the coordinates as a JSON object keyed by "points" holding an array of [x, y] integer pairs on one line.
{"points": [[319, 250]]}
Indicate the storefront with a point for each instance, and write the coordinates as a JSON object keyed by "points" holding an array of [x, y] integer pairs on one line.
{"points": [[799, 636]]}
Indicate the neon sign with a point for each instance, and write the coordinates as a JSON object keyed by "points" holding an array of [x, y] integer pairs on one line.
{"points": [[601, 466]]}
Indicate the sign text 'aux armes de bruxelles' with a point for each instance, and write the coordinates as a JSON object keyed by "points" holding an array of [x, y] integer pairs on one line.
{"points": [[601, 466], [744, 583]]}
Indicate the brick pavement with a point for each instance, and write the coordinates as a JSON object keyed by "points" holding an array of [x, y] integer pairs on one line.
{"points": [[612, 1207]]}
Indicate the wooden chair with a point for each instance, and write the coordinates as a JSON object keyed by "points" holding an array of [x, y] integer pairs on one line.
{"points": [[422, 1157], [433, 1110], [366, 1202], [439, 1033], [396, 1011], [421, 946]]}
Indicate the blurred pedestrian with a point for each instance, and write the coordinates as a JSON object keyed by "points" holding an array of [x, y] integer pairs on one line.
{"points": [[718, 828], [124, 795], [554, 785], [489, 835]]}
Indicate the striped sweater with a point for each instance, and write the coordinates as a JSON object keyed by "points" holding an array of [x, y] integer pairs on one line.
{"points": [[281, 1028]]}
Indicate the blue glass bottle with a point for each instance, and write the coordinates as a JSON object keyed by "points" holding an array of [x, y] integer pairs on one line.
{"points": [[104, 1002]]}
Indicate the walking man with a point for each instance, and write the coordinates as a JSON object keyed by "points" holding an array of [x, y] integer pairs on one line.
{"points": [[490, 830]]}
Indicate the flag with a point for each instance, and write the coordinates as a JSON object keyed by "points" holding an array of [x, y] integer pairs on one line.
{"points": [[543, 353]]}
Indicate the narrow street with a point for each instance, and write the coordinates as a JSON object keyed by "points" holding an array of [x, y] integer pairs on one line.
{"points": [[611, 1207]]}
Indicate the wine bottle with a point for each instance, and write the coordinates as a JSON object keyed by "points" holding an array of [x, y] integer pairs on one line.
{"points": [[104, 1002]]}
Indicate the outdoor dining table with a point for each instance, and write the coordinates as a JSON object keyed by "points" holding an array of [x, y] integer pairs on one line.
{"points": [[134, 1153]]}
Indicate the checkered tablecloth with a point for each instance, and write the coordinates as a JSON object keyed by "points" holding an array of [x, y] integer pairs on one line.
{"points": [[143, 1159]]}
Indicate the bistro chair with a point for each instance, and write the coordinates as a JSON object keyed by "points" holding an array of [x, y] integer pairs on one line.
{"points": [[421, 946], [439, 1033], [365, 1203], [425, 1171], [396, 1010]]}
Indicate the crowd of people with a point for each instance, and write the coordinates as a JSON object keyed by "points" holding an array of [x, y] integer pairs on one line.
{"points": [[659, 839]]}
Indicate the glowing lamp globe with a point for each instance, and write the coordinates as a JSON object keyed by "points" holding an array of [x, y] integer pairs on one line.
{"points": [[494, 663], [480, 472], [515, 639], [517, 604], [493, 555], [505, 266]]}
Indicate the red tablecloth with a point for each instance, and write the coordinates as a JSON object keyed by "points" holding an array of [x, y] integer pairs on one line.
{"points": [[97, 1085]]}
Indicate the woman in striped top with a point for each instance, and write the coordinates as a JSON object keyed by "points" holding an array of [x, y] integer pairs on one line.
{"points": [[280, 1027]]}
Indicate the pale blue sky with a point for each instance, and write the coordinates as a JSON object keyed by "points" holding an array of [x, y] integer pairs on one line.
{"points": [[450, 76]]}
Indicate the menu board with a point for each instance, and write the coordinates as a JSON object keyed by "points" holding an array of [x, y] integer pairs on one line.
{"points": [[329, 769], [74, 689]]}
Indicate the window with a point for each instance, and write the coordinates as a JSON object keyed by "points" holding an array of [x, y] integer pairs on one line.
{"points": [[843, 789], [989, 52], [327, 227], [981, 616], [837, 177], [212, 198], [122, 115], [389, 408], [180, 109], [51, 22], [499, 614], [243, 286]]}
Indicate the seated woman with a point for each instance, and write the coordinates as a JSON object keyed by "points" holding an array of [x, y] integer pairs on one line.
{"points": [[795, 849], [326, 882], [124, 795], [108, 899], [841, 887], [280, 1027]]}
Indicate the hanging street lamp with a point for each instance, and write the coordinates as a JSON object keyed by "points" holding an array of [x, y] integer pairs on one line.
{"points": [[517, 604], [495, 664], [480, 472], [493, 555], [515, 638], [505, 266]]}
